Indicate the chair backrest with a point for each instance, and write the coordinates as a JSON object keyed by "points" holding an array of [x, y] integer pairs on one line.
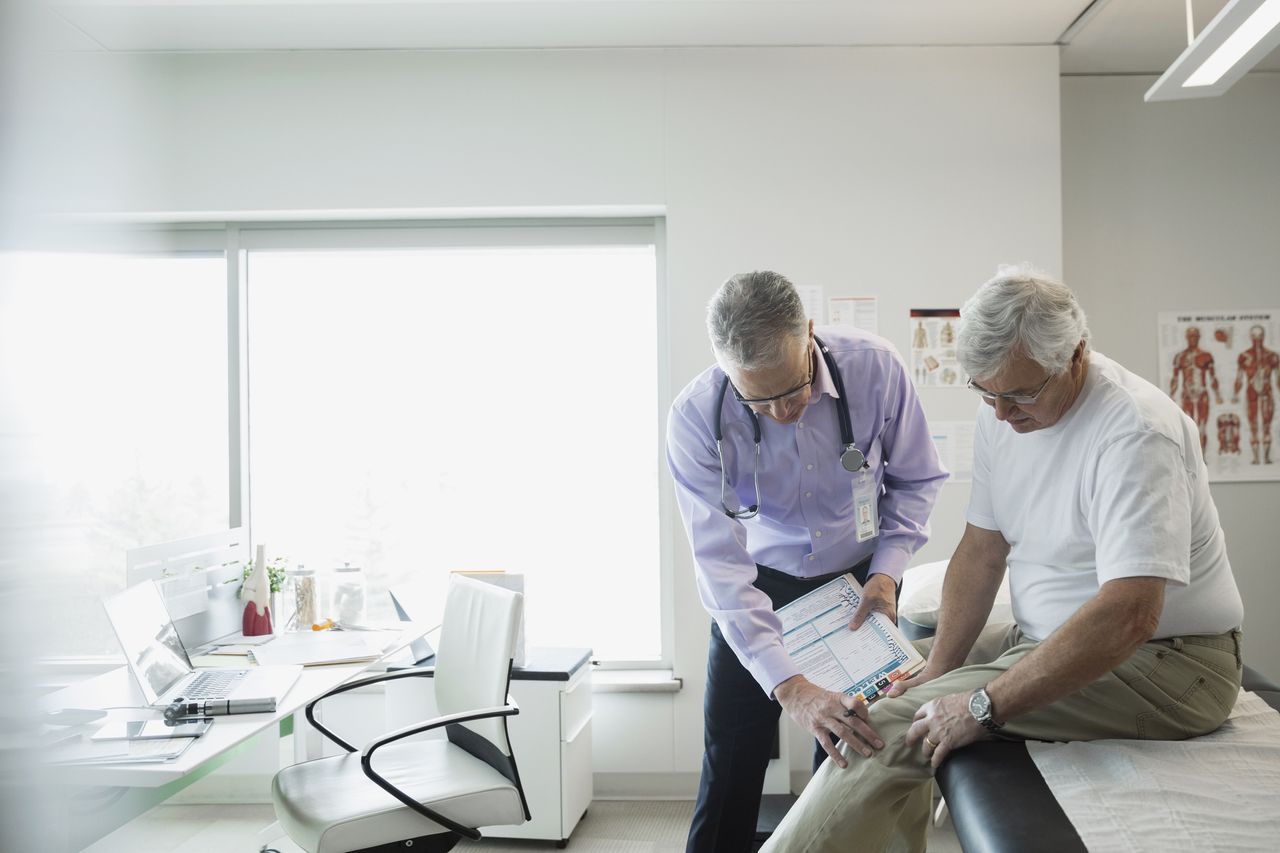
{"points": [[473, 661]]}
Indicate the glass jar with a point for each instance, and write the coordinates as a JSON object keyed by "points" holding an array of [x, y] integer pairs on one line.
{"points": [[348, 595], [302, 590]]}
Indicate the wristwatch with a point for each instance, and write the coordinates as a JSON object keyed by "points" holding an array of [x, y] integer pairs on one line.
{"points": [[980, 707]]}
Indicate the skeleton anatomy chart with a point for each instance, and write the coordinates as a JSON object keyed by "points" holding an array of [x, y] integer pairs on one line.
{"points": [[933, 348], [1223, 369]]}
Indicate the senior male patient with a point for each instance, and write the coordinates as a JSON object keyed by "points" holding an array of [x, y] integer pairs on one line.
{"points": [[1089, 483]]}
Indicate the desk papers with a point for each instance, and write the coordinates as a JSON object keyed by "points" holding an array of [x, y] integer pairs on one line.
{"points": [[313, 648], [861, 663], [85, 751]]}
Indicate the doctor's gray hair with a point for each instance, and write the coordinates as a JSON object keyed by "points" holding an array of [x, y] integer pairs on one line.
{"points": [[1020, 312], [752, 319]]}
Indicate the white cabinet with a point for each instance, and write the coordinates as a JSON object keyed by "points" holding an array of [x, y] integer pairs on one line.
{"points": [[551, 737]]}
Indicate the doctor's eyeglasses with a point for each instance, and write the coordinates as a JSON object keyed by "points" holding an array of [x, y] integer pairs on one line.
{"points": [[785, 395]]}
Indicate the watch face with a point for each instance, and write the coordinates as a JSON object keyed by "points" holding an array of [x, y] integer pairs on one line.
{"points": [[979, 704]]}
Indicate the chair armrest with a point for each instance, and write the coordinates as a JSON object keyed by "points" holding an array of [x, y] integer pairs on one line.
{"points": [[507, 710], [352, 685], [366, 760]]}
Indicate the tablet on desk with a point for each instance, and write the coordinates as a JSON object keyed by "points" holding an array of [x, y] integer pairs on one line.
{"points": [[151, 729]]}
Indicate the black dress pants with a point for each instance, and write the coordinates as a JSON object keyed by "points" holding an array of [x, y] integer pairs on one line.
{"points": [[740, 721]]}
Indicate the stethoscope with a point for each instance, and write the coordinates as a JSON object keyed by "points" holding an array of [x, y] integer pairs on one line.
{"points": [[851, 457]]}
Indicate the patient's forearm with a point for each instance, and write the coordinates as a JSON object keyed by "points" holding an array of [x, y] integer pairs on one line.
{"points": [[973, 578], [1100, 636]]}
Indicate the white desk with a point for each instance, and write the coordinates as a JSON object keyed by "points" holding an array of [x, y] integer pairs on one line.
{"points": [[99, 798]]}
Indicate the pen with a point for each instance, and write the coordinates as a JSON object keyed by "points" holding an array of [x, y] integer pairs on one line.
{"points": [[219, 707]]}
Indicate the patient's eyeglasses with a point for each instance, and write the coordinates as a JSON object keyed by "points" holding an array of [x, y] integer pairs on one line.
{"points": [[1017, 399]]}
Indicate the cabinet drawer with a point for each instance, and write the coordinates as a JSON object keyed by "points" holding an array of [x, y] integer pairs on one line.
{"points": [[575, 709], [576, 779]]}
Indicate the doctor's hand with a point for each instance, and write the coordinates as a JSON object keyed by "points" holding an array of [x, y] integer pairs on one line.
{"points": [[879, 593], [823, 713]]}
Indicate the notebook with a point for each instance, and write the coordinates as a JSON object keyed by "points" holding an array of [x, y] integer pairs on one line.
{"points": [[161, 666]]}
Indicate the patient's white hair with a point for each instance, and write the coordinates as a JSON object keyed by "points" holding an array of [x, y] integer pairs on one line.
{"points": [[1020, 312]]}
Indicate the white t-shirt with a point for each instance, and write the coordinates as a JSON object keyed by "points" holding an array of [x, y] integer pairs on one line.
{"points": [[1116, 488]]}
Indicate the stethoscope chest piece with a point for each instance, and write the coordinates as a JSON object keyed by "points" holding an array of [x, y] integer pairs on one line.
{"points": [[852, 459]]}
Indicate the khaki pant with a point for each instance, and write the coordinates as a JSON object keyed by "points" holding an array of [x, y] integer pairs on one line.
{"points": [[1169, 689]]}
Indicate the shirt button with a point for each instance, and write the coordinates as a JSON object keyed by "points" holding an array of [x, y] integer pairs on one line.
{"points": [[817, 533], [808, 494], [808, 467], [800, 424], [810, 558]]}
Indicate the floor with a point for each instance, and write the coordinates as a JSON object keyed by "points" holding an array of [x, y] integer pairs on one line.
{"points": [[632, 826]]}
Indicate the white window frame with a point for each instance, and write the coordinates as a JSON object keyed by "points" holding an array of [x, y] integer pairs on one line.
{"points": [[234, 240], [245, 237]]}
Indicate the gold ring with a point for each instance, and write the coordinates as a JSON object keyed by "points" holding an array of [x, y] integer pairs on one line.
{"points": [[930, 742]]}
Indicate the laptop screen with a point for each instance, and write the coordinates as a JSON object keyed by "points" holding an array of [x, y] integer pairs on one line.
{"points": [[148, 638]]}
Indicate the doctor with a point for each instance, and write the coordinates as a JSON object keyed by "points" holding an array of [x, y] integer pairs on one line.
{"points": [[797, 457]]}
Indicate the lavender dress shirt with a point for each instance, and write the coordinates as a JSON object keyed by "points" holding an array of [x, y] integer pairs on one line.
{"points": [[805, 524]]}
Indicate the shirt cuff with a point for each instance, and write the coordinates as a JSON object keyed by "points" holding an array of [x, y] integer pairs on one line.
{"points": [[889, 560], [773, 667]]}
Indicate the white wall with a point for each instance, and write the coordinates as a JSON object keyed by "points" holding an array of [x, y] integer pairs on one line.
{"points": [[906, 173], [1170, 206]]}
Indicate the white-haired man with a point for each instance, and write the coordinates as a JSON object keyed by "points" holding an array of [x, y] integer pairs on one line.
{"points": [[797, 457], [1090, 486]]}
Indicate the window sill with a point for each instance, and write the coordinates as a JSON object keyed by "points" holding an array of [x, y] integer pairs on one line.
{"points": [[635, 681]]}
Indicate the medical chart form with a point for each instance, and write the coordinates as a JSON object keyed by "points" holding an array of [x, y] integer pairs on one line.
{"points": [[861, 663]]}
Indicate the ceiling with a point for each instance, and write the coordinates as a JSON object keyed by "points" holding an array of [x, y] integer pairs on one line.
{"points": [[1102, 36]]}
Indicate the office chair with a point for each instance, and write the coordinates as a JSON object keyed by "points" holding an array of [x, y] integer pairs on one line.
{"points": [[422, 795]]}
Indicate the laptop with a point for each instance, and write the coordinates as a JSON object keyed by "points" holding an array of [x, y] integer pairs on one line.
{"points": [[160, 663]]}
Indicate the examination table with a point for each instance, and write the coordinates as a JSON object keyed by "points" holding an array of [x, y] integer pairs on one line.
{"points": [[999, 802]]}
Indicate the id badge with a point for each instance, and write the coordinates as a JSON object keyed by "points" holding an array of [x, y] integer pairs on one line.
{"points": [[866, 506]]}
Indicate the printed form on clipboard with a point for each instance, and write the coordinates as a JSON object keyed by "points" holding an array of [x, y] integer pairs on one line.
{"points": [[861, 663]]}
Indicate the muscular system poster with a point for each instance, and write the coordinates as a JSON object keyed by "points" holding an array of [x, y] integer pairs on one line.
{"points": [[1222, 367]]}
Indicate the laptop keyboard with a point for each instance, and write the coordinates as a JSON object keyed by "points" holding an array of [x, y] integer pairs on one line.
{"points": [[213, 684]]}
